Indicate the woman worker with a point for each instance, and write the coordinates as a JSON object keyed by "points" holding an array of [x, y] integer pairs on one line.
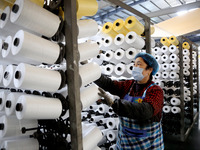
{"points": [[139, 107]]}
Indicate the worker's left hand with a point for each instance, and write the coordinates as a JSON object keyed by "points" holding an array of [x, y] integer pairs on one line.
{"points": [[107, 99]]}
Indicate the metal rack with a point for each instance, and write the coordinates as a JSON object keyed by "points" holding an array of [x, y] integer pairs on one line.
{"points": [[73, 79]]}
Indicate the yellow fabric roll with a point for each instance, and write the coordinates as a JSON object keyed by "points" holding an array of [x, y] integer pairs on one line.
{"points": [[152, 29], [61, 13], [108, 29], [165, 41], [86, 8], [133, 24], [173, 40], [186, 45], [119, 27], [4, 4], [38, 2], [10, 1]]}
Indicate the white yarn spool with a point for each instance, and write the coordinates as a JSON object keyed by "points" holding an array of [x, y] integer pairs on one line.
{"points": [[89, 73], [129, 68], [29, 15], [3, 95], [108, 69], [8, 77], [120, 42], [165, 75], [186, 59], [112, 135], [174, 58], [89, 95], [186, 72], [157, 51], [186, 52], [1, 74], [153, 43], [109, 57], [120, 70], [158, 75], [186, 91], [109, 44], [174, 67], [165, 50], [103, 108], [112, 147], [165, 58], [166, 109], [194, 91], [134, 40], [160, 83], [160, 68], [175, 110], [173, 75], [187, 98], [112, 123], [194, 53], [38, 107], [96, 118], [87, 28], [120, 56], [186, 65], [98, 59], [173, 49], [93, 107], [165, 67], [131, 53], [175, 101], [158, 58]]}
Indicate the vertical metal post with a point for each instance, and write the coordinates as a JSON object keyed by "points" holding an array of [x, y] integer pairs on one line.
{"points": [[73, 79], [197, 81], [182, 130], [147, 35]]}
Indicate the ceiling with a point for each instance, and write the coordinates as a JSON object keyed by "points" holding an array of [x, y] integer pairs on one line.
{"points": [[157, 10]]}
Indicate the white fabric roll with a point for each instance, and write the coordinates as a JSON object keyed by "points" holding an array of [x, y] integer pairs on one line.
{"points": [[89, 95], [194, 53], [129, 68], [93, 107], [112, 147], [109, 57], [165, 75], [166, 109], [98, 59], [187, 98], [173, 75], [131, 53], [158, 58], [8, 79], [96, 118], [165, 50], [173, 49], [165, 58], [3, 94], [186, 65], [89, 72], [186, 58], [174, 67], [134, 40], [175, 101], [160, 83], [120, 56], [112, 135], [158, 75], [186, 72], [108, 69], [38, 107], [103, 108], [174, 58], [34, 48], [88, 50], [6, 48], [175, 110], [120, 42], [120, 70], [112, 123], [166, 67], [186, 52], [35, 18], [87, 28], [157, 51], [109, 44], [186, 91]]}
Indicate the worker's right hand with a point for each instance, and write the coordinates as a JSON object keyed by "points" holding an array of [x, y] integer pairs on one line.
{"points": [[107, 99]]}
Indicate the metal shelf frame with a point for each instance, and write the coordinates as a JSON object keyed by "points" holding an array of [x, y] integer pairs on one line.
{"points": [[72, 57]]}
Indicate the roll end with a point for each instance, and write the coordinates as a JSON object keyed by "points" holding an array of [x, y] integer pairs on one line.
{"points": [[15, 8], [19, 107]]}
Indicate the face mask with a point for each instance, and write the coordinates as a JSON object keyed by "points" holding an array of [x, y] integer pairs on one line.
{"points": [[137, 73]]}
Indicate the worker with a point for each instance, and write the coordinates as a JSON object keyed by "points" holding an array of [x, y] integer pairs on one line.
{"points": [[139, 106]]}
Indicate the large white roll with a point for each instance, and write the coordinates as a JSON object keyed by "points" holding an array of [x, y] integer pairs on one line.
{"points": [[157, 51], [11, 126], [158, 75], [173, 75], [88, 50], [34, 48], [21, 144], [186, 72], [8, 77], [186, 58], [1, 74], [165, 58], [112, 135], [134, 40], [6, 49], [38, 107], [175, 101], [158, 58], [187, 98], [165, 50], [112, 123], [166, 67], [35, 18], [108, 69], [109, 44], [165, 75], [120, 70], [129, 68], [96, 118], [102, 108], [174, 58], [175, 110], [120, 42], [186, 52], [109, 57], [187, 91], [131, 53], [98, 59], [3, 95], [89, 73], [173, 49], [112, 147], [120, 56], [186, 65], [89, 95], [11, 101], [174, 67], [94, 135], [160, 83], [87, 28], [35, 78], [166, 109]]}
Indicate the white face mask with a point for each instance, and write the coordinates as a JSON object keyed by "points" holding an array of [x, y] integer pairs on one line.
{"points": [[137, 73]]}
